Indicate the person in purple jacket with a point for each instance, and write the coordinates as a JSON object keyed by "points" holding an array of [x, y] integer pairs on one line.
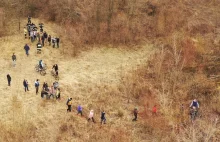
{"points": [[79, 109]]}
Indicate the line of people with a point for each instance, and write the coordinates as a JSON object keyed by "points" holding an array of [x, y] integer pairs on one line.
{"points": [[193, 112], [80, 111], [54, 91]]}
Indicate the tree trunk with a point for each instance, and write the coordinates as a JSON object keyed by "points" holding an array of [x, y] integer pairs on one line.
{"points": [[1, 18], [111, 6], [98, 18]]}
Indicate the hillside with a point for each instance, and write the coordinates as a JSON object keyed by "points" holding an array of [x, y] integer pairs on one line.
{"points": [[91, 79], [115, 55]]}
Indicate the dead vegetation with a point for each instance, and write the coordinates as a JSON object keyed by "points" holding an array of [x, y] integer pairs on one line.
{"points": [[121, 21], [183, 34]]}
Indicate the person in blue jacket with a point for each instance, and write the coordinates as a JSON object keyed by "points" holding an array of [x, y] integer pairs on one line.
{"points": [[195, 104]]}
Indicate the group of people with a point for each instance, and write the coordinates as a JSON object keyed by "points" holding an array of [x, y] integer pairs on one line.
{"points": [[52, 90], [41, 36], [80, 111], [49, 91]]}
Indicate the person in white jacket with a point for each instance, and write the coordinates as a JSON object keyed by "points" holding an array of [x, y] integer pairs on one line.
{"points": [[91, 115]]}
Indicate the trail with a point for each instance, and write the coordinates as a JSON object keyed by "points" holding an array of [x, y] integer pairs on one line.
{"points": [[80, 78]]}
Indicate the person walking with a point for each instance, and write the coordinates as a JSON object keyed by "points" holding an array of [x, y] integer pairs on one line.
{"points": [[35, 35], [69, 104], [25, 83], [49, 40], [29, 30], [32, 35], [91, 116], [58, 93], [55, 67], [42, 40], [39, 47], [58, 42], [26, 48], [55, 85], [135, 114], [44, 86], [13, 59], [29, 19], [79, 110], [51, 91], [38, 36], [45, 36], [9, 79], [103, 119], [25, 32], [37, 84], [53, 41], [154, 110]]}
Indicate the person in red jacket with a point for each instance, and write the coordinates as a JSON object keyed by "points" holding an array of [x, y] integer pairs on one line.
{"points": [[154, 110]]}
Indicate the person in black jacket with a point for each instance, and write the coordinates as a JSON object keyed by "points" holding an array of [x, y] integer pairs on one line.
{"points": [[29, 20], [45, 36], [55, 67], [53, 41], [103, 119], [9, 79], [49, 40], [25, 83], [26, 48], [58, 41], [42, 40], [135, 114], [13, 59]]}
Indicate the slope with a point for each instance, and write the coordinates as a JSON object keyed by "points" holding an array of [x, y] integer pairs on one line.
{"points": [[91, 79]]}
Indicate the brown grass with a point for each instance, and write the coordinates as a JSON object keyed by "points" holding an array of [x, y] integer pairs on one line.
{"points": [[185, 37], [91, 79]]}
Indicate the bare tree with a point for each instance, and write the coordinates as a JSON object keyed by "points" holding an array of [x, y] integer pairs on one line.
{"points": [[110, 14]]}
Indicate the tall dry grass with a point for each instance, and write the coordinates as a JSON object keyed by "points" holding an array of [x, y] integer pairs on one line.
{"points": [[121, 21]]}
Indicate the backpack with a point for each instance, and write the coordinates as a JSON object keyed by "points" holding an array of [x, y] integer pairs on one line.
{"points": [[67, 102], [70, 102], [36, 84], [195, 104]]}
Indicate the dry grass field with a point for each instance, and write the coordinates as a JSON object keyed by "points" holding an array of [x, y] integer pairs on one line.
{"points": [[92, 79], [114, 55]]}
